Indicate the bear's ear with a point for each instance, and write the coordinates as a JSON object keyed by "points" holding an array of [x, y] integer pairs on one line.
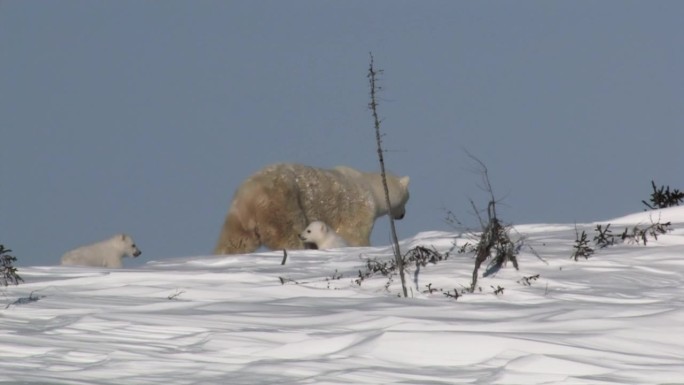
{"points": [[404, 181], [324, 228]]}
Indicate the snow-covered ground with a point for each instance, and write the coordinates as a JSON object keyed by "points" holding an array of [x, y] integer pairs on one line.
{"points": [[616, 318]]}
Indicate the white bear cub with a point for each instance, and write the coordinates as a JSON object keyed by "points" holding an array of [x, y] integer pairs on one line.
{"points": [[107, 253], [320, 234]]}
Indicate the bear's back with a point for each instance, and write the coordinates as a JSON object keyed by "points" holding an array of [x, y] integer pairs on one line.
{"points": [[325, 194]]}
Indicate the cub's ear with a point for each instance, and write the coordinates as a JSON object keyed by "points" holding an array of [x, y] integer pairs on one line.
{"points": [[404, 181], [324, 228]]}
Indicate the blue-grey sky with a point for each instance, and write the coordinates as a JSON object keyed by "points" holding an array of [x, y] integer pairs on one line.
{"points": [[144, 116]]}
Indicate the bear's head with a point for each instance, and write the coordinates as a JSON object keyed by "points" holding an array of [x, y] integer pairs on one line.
{"points": [[398, 194]]}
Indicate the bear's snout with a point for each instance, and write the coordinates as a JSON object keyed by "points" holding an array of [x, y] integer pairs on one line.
{"points": [[137, 253]]}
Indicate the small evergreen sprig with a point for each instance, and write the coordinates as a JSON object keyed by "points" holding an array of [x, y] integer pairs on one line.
{"points": [[638, 235], [605, 237], [581, 246], [662, 197], [8, 273]]}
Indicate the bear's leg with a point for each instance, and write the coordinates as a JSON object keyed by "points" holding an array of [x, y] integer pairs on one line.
{"points": [[358, 232], [356, 240], [284, 234], [281, 222], [286, 241], [235, 239]]}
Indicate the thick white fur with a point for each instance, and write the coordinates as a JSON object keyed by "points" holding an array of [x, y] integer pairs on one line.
{"points": [[273, 206], [108, 253], [320, 234]]}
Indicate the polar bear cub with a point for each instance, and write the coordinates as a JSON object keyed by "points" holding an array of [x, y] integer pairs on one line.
{"points": [[320, 234], [107, 253]]}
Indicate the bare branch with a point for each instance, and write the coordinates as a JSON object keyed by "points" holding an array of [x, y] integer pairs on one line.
{"points": [[373, 105], [494, 237]]}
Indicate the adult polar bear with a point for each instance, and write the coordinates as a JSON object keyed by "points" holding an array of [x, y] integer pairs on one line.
{"points": [[273, 206]]}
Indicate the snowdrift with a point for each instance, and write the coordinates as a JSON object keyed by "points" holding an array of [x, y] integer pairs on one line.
{"points": [[614, 318]]}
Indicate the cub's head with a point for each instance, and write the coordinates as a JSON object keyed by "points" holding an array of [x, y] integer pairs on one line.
{"points": [[127, 245], [314, 232]]}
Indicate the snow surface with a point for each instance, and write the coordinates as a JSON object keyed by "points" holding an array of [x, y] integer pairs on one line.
{"points": [[616, 318]]}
